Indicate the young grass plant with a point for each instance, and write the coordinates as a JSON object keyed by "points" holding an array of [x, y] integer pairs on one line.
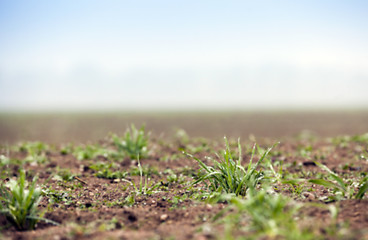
{"points": [[229, 175], [144, 187], [262, 216], [91, 152], [107, 170], [340, 187], [36, 151], [19, 204], [134, 142]]}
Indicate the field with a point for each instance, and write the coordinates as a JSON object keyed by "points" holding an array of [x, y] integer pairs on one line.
{"points": [[276, 175]]}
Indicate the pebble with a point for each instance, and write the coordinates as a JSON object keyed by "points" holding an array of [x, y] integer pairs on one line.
{"points": [[33, 164], [201, 237], [56, 237], [308, 195], [164, 217]]}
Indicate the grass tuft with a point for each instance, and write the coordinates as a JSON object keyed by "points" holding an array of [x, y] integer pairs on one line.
{"points": [[134, 142], [19, 204], [339, 186], [229, 175]]}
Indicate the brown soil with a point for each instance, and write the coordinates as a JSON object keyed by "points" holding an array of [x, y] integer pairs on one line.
{"points": [[95, 209], [91, 127]]}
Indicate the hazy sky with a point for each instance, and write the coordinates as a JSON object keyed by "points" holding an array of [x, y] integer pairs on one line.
{"points": [[73, 54]]}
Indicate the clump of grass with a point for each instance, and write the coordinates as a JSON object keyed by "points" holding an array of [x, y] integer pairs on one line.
{"points": [[229, 175], [63, 175], [36, 151], [56, 196], [19, 204], [265, 216], [133, 143], [147, 171], [91, 152], [104, 170], [34, 148], [144, 188], [342, 189]]}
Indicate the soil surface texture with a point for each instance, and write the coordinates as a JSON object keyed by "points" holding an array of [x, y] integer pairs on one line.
{"points": [[95, 189]]}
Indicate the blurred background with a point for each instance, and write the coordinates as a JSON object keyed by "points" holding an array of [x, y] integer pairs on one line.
{"points": [[196, 61]]}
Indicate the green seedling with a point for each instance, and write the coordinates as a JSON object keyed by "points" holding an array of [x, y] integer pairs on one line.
{"points": [[36, 151], [147, 171], [108, 174], [54, 196], [66, 149], [270, 215], [360, 138], [364, 156], [4, 160], [104, 170], [344, 141], [91, 152], [265, 216], [341, 187], [198, 145], [8, 166], [177, 200], [20, 205], [283, 177], [172, 177], [129, 200], [4, 166], [134, 142], [63, 175], [229, 175], [144, 188], [363, 188], [34, 147], [182, 137]]}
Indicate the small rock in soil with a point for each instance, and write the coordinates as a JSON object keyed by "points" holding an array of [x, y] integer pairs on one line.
{"points": [[309, 163], [88, 205], [308, 195], [132, 217], [164, 217]]}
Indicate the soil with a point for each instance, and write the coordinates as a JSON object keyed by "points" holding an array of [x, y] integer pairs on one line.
{"points": [[58, 128], [96, 208]]}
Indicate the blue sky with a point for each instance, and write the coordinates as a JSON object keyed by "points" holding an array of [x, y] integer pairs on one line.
{"points": [[106, 55]]}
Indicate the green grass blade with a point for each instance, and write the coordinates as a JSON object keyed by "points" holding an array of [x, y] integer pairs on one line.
{"points": [[292, 181], [43, 219], [228, 158], [228, 148], [204, 166], [324, 183], [251, 159], [260, 160], [363, 189], [240, 153], [339, 180], [227, 175]]}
